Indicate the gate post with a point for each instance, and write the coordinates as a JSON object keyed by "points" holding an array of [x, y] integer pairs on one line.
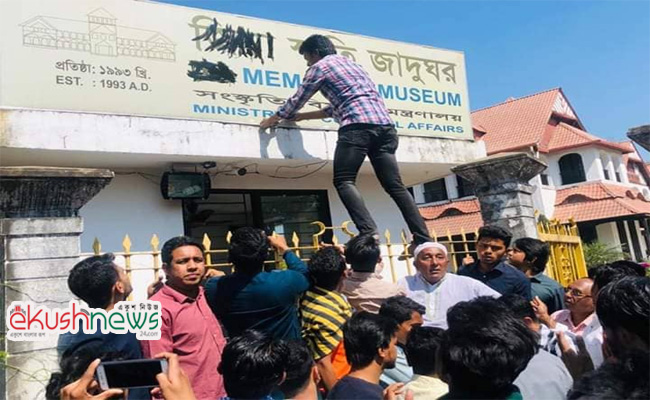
{"points": [[39, 243], [501, 185]]}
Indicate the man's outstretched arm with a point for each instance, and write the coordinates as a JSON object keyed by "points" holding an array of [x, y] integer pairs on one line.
{"points": [[320, 114], [310, 85]]}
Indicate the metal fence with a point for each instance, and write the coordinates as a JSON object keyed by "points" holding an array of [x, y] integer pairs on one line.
{"points": [[566, 262]]}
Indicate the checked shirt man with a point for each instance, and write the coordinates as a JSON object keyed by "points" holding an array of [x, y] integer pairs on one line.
{"points": [[366, 129]]}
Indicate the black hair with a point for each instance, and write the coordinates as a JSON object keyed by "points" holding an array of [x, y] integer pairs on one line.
{"points": [[73, 365], [317, 45], [625, 379], [92, 280], [625, 303], [519, 306], [298, 368], [534, 249], [495, 232], [362, 253], [252, 365], [422, 347], [248, 250], [326, 267], [174, 243], [400, 308], [486, 347], [364, 335], [608, 273]]}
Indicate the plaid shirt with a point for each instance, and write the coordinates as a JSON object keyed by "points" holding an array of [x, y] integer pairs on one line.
{"points": [[353, 96]]}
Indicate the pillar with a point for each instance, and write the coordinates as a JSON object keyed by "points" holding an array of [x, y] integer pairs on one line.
{"points": [[641, 135], [39, 243], [501, 184]]}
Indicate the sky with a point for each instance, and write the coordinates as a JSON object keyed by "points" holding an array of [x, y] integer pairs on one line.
{"points": [[598, 52]]}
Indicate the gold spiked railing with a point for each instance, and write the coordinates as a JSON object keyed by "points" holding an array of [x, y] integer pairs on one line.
{"points": [[396, 253], [566, 262]]}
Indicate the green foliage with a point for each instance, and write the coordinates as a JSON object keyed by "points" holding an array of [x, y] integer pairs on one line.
{"points": [[542, 219], [598, 253]]}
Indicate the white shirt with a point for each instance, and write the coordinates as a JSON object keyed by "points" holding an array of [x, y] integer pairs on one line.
{"points": [[592, 334], [444, 294], [545, 377]]}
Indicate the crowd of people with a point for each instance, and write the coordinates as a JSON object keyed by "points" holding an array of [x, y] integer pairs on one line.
{"points": [[333, 328]]}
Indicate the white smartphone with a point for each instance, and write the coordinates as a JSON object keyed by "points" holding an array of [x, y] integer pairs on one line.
{"points": [[130, 373]]}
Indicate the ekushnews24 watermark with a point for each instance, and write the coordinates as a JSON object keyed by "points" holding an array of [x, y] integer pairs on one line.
{"points": [[27, 321]]}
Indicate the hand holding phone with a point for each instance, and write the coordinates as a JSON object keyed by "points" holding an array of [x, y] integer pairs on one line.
{"points": [[130, 373], [82, 388], [174, 385]]}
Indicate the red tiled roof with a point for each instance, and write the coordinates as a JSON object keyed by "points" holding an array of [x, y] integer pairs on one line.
{"points": [[565, 136], [515, 123], [468, 217], [453, 225], [463, 206], [524, 122], [629, 147], [599, 200]]}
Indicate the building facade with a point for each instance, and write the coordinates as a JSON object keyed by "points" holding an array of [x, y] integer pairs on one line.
{"points": [[142, 89], [602, 185]]}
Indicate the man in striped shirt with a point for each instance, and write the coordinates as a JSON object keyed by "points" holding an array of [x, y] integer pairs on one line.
{"points": [[365, 129], [324, 311]]}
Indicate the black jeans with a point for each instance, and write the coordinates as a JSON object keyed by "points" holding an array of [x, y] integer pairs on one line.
{"points": [[379, 143]]}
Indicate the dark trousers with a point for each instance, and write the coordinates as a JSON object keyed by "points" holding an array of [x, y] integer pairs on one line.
{"points": [[379, 143]]}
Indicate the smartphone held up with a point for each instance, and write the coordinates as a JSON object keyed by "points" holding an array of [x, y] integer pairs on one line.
{"points": [[130, 373]]}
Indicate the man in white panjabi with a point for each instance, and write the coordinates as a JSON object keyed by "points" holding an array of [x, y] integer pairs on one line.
{"points": [[435, 288]]}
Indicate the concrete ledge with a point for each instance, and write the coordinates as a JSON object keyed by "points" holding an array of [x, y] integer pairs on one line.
{"points": [[40, 226], [509, 199], [159, 141], [31, 269], [41, 247], [52, 292], [18, 348], [28, 374]]}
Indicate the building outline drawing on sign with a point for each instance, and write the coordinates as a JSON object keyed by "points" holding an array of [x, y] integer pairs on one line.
{"points": [[102, 37]]}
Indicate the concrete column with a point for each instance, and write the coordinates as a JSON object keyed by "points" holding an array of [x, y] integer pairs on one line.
{"points": [[641, 135], [39, 243], [451, 184], [503, 191]]}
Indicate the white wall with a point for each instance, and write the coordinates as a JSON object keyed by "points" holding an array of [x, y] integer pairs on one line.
{"points": [[451, 183], [133, 205], [594, 160], [608, 234]]}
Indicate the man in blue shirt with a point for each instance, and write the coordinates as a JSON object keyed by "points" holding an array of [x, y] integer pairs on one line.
{"points": [[491, 269], [101, 284], [251, 298]]}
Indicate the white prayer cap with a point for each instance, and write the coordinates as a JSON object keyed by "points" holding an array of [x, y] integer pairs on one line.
{"points": [[429, 245]]}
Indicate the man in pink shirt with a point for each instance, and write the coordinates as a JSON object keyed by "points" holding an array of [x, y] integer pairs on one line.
{"points": [[579, 318], [189, 328], [364, 287], [580, 309]]}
